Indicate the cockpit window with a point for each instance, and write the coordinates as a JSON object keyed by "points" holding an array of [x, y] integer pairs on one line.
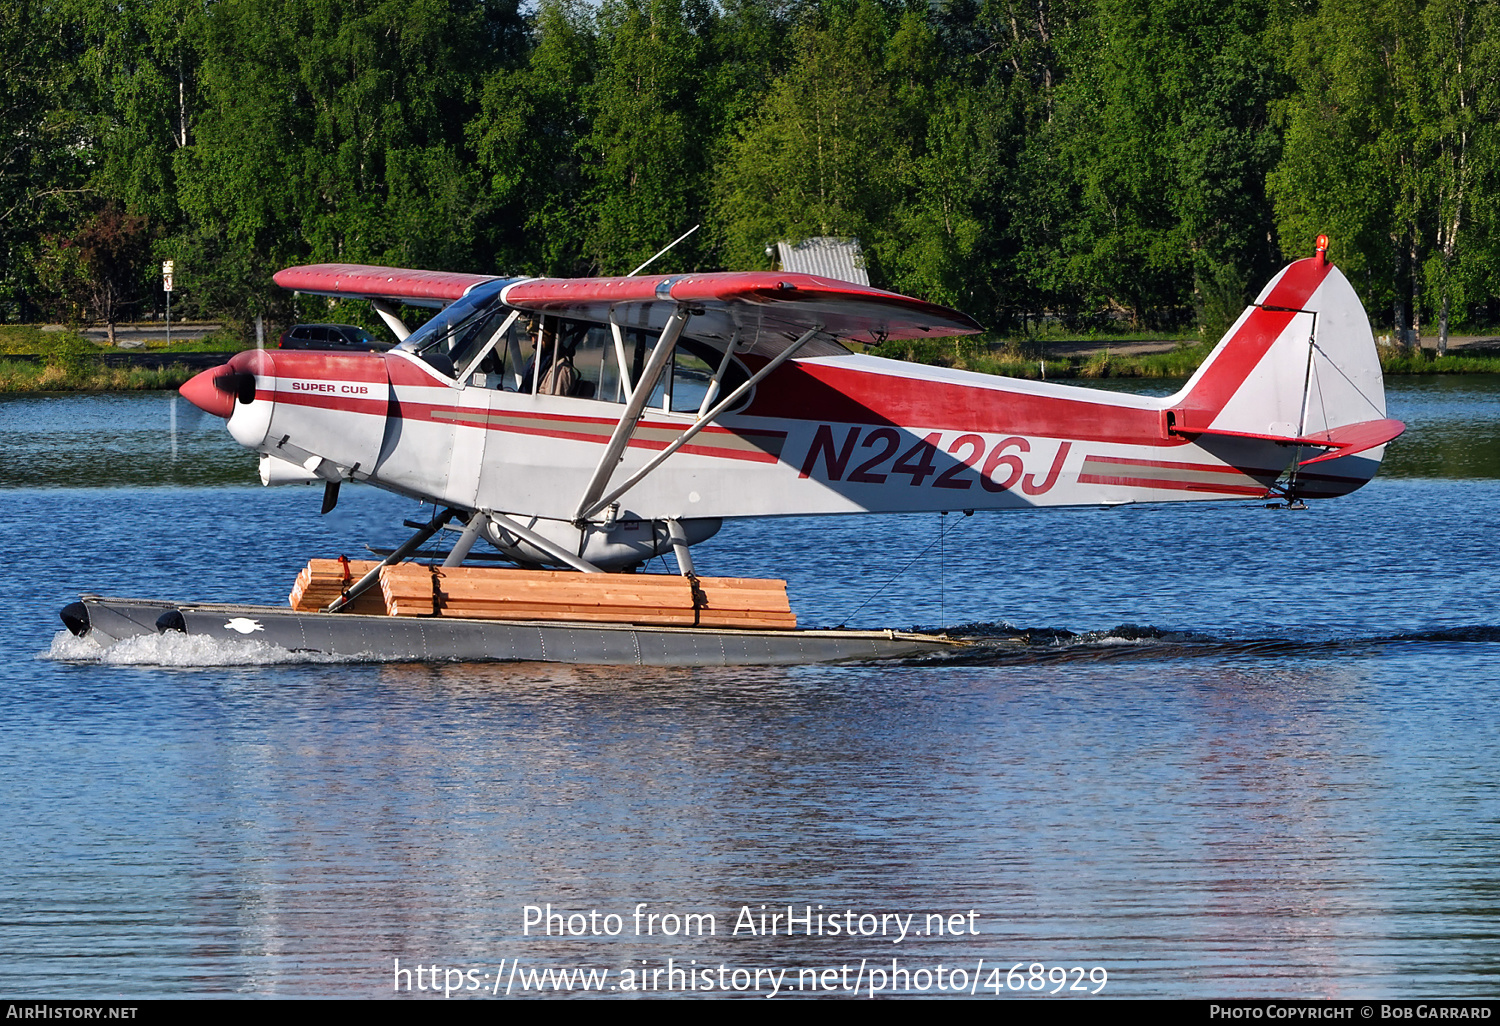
{"points": [[548, 355], [689, 373], [455, 335]]}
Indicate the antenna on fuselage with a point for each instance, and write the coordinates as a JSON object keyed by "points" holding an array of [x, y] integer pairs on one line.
{"points": [[664, 249]]}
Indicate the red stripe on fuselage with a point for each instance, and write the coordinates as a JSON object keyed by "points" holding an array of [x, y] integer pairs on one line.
{"points": [[1213, 488], [1116, 470], [828, 393], [325, 401], [1208, 468]]}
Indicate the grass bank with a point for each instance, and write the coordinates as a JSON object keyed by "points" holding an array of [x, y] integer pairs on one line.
{"points": [[1467, 361], [33, 376], [1179, 363], [33, 360]]}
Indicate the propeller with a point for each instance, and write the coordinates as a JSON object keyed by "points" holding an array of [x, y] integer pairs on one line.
{"points": [[239, 384], [187, 419]]}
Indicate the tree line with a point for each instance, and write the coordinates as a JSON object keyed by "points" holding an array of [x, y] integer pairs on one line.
{"points": [[1082, 161]]}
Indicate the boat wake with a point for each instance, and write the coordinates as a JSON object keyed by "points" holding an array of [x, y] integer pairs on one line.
{"points": [[1003, 644], [173, 648]]}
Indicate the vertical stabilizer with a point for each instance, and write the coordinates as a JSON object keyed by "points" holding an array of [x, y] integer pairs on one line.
{"points": [[1297, 369]]}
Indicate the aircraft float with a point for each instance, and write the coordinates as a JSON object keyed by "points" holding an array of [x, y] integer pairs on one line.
{"points": [[592, 424]]}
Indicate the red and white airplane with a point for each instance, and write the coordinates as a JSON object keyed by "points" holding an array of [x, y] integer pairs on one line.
{"points": [[594, 423]]}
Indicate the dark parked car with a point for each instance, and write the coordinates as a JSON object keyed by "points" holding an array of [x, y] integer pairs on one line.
{"points": [[348, 337]]}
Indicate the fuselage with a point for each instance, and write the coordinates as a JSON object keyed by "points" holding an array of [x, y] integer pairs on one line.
{"points": [[842, 434], [483, 411]]}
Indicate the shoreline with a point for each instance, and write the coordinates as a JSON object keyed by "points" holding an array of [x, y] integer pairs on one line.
{"points": [[1085, 359]]}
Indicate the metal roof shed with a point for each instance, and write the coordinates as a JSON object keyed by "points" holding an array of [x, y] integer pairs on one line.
{"points": [[827, 257]]}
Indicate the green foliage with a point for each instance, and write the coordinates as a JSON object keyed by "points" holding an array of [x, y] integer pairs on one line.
{"points": [[46, 140], [645, 157], [528, 135], [1066, 161], [821, 157], [70, 352], [33, 340], [1162, 143], [330, 133], [1393, 149]]}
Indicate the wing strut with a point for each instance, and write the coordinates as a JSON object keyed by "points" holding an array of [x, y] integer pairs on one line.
{"points": [[698, 425], [625, 429], [392, 319], [614, 329]]}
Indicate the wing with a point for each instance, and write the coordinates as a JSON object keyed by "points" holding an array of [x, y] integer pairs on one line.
{"points": [[764, 308], [361, 281]]}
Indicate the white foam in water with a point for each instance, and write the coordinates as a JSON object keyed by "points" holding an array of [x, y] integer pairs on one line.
{"points": [[1114, 640], [174, 648]]}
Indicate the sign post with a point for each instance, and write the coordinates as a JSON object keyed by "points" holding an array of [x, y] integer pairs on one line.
{"points": [[166, 284]]}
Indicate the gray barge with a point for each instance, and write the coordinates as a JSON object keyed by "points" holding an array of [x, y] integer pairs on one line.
{"points": [[447, 639]]}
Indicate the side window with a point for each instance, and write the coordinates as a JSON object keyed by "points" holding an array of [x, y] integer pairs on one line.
{"points": [[508, 367], [597, 370], [691, 375], [694, 365], [549, 356], [688, 375], [576, 359]]}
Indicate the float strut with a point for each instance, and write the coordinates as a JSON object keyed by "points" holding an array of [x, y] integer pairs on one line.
{"points": [[460, 550], [364, 583], [680, 547]]}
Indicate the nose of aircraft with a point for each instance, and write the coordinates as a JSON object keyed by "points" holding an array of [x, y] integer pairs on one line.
{"points": [[205, 391], [217, 389]]}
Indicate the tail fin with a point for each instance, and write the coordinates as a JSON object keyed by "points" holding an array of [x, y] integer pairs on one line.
{"points": [[1299, 372]]}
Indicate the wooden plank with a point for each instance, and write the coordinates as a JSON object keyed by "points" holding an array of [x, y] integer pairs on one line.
{"points": [[322, 580], [656, 599]]}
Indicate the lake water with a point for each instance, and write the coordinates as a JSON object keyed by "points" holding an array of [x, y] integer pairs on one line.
{"points": [[1245, 752]]}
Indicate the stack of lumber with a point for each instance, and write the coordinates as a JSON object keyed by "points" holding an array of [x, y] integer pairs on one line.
{"points": [[323, 580], [486, 593]]}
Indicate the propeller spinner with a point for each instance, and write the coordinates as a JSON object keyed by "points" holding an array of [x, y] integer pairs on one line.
{"points": [[217, 389], [205, 391]]}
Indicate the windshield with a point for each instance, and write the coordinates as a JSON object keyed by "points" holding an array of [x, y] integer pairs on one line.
{"points": [[456, 334]]}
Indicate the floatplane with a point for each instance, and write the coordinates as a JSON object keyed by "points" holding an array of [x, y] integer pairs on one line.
{"points": [[582, 427]]}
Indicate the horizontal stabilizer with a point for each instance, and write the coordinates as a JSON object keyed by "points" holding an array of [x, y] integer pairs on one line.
{"points": [[1341, 441], [1356, 438]]}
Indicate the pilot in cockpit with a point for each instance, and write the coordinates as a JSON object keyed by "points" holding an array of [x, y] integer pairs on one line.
{"points": [[558, 352]]}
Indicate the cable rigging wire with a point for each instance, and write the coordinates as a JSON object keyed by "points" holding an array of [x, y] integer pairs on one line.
{"points": [[942, 533]]}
